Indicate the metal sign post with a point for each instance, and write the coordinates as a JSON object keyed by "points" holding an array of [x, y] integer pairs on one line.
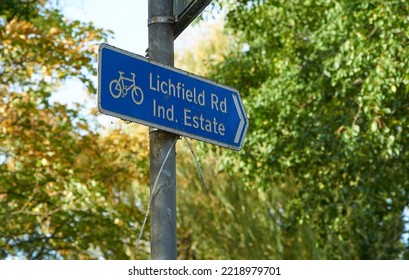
{"points": [[163, 208]]}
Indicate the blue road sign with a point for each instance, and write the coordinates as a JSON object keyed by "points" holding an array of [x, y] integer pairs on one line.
{"points": [[136, 89]]}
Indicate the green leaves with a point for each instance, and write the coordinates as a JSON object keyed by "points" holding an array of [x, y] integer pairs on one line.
{"points": [[327, 104]]}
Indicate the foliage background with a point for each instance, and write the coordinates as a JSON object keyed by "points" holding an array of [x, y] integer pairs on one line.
{"points": [[323, 173], [327, 88]]}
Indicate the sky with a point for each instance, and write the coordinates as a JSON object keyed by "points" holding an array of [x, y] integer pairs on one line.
{"points": [[128, 20]]}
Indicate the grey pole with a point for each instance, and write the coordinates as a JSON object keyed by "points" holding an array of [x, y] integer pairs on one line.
{"points": [[163, 208]]}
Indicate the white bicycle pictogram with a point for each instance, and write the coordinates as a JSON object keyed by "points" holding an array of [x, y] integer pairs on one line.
{"points": [[122, 85]]}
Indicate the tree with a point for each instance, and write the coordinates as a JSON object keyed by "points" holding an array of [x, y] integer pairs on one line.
{"points": [[326, 88], [66, 191], [230, 221], [206, 43]]}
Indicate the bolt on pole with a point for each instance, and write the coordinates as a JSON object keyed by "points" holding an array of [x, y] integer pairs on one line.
{"points": [[163, 208]]}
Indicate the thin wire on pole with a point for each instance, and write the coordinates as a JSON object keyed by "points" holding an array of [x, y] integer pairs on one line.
{"points": [[153, 194], [198, 164]]}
